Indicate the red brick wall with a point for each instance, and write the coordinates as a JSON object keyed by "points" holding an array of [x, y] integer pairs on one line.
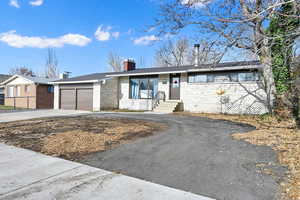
{"points": [[26, 99]]}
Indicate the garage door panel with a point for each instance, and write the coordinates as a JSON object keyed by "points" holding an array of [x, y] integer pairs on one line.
{"points": [[68, 99], [85, 99]]}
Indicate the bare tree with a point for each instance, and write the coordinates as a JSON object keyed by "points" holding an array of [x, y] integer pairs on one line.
{"points": [[173, 53], [51, 70], [21, 71], [209, 53], [114, 62], [236, 23], [141, 62], [181, 52]]}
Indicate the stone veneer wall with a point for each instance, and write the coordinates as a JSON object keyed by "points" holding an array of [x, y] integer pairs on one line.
{"points": [[239, 98], [109, 94]]}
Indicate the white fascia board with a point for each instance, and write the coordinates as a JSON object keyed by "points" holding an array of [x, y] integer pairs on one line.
{"points": [[74, 82], [224, 69], [149, 73], [9, 80], [189, 70], [15, 77]]}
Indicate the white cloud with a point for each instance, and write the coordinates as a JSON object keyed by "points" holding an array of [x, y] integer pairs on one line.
{"points": [[145, 40], [151, 29], [104, 33], [130, 31], [14, 3], [116, 34], [36, 2], [14, 40], [195, 3]]}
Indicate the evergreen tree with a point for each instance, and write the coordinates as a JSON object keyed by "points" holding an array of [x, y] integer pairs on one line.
{"points": [[283, 32]]}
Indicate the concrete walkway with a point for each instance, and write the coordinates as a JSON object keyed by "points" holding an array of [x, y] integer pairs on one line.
{"points": [[25, 115], [29, 175]]}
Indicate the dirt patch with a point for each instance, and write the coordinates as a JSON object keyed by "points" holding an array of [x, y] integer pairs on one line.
{"points": [[281, 136], [73, 137]]}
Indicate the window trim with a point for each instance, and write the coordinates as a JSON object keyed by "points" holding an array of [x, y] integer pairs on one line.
{"points": [[140, 78], [258, 78]]}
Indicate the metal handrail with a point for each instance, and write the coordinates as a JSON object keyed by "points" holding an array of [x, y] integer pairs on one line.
{"points": [[160, 95]]}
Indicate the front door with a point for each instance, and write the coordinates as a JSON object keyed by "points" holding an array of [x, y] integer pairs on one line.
{"points": [[175, 87]]}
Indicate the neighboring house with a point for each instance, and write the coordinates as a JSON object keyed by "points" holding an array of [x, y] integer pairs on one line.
{"points": [[232, 87], [3, 78], [28, 92]]}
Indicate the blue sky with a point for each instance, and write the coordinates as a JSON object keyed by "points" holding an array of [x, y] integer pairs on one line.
{"points": [[28, 27], [82, 32]]}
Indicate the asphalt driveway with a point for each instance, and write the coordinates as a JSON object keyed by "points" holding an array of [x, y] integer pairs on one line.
{"points": [[197, 155]]}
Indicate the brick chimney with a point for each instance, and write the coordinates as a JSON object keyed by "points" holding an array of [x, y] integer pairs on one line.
{"points": [[129, 65]]}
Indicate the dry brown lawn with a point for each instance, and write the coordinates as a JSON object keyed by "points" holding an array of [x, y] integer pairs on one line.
{"points": [[74, 137], [281, 136]]}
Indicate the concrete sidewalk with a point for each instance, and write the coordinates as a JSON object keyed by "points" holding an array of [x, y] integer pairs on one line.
{"points": [[28, 175], [25, 115]]}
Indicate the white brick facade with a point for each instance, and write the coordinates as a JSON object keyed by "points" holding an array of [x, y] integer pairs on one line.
{"points": [[131, 104], [164, 84], [109, 94], [96, 96], [239, 98]]}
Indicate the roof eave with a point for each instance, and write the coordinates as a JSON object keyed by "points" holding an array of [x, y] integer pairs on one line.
{"points": [[188, 70], [74, 82], [9, 80]]}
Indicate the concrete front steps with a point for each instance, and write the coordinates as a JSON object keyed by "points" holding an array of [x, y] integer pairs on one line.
{"points": [[167, 107]]}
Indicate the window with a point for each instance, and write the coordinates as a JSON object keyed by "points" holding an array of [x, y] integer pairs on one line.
{"points": [[18, 91], [223, 77], [153, 87], [143, 88], [10, 91], [50, 89], [248, 76], [134, 87], [27, 88], [234, 77], [198, 78]]}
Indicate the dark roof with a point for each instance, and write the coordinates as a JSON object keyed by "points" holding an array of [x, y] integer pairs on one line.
{"points": [[95, 76], [4, 77], [190, 67], [99, 76]]}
